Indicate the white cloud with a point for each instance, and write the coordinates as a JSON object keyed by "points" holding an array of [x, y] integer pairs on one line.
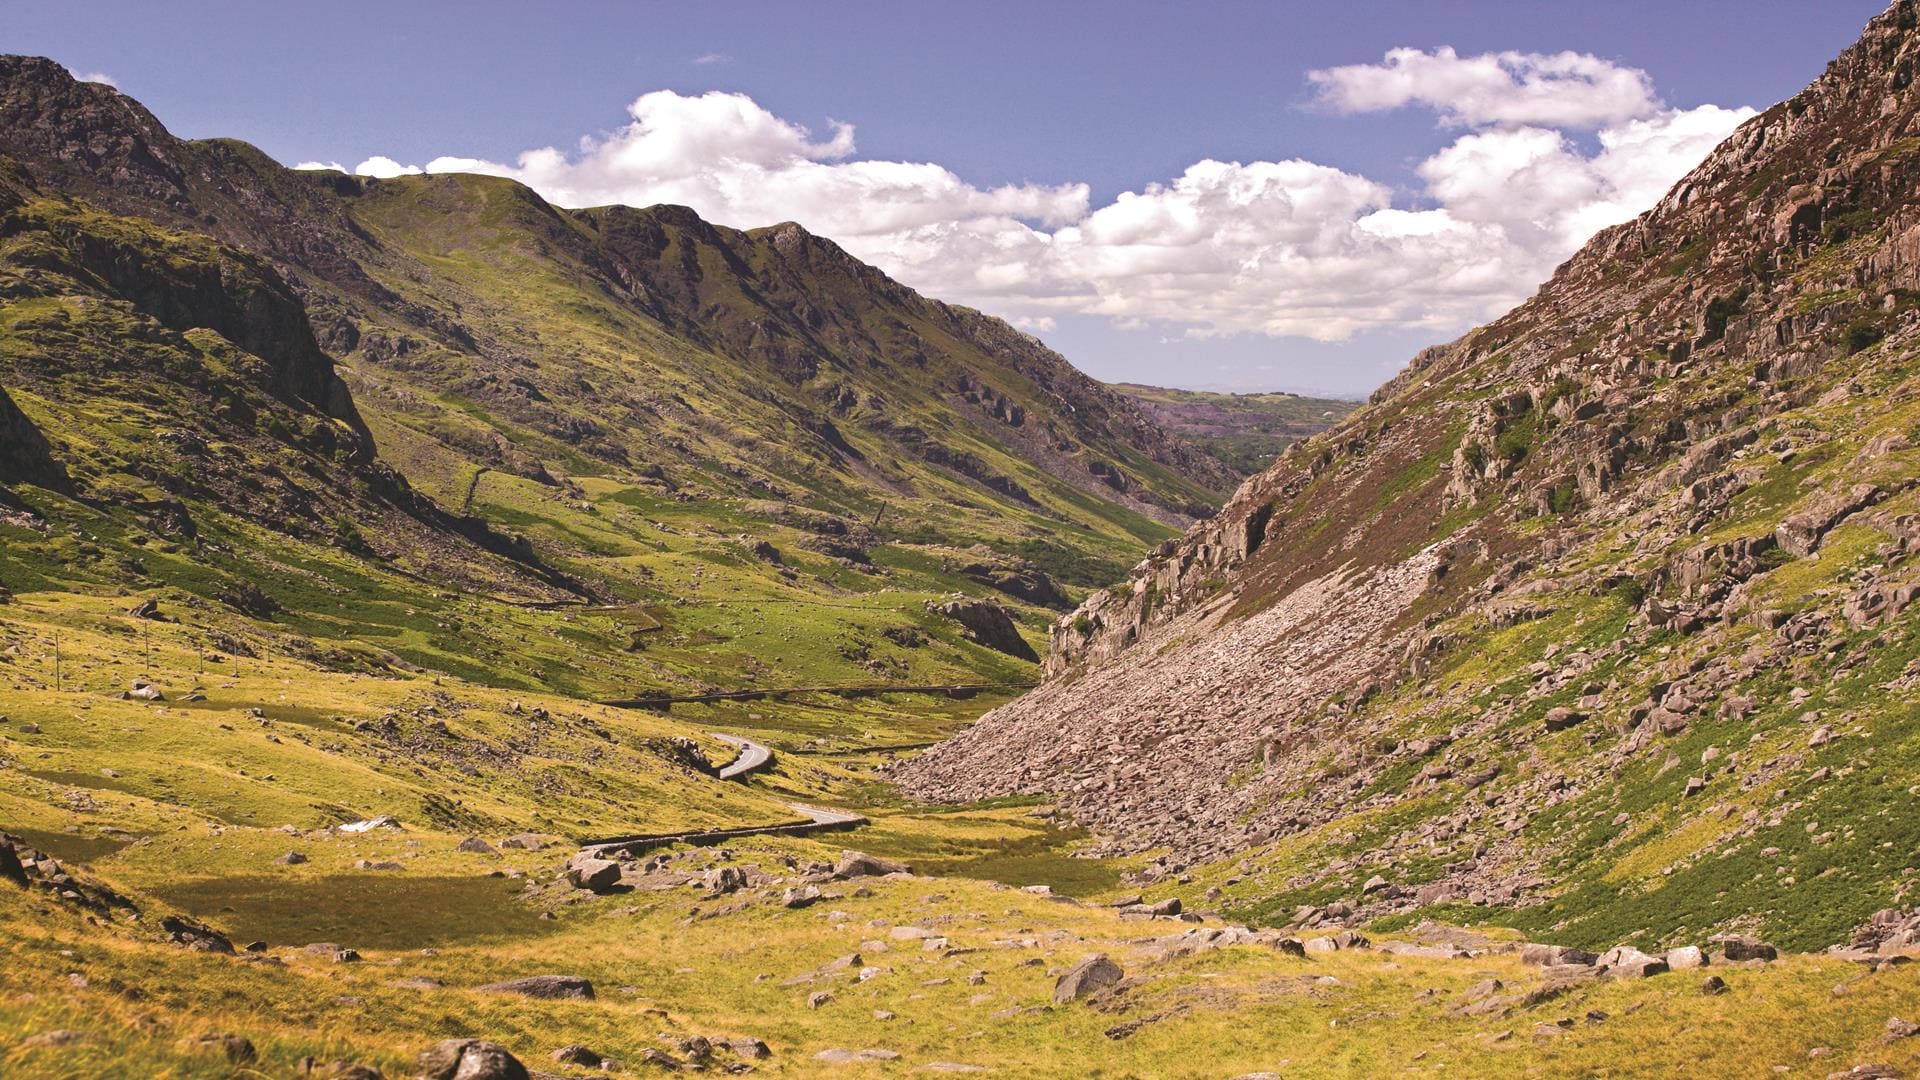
{"points": [[378, 165], [713, 58], [100, 77], [384, 168], [1284, 248], [1571, 90]]}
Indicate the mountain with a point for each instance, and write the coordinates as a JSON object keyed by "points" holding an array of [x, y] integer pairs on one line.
{"points": [[1246, 431], [1596, 623], [228, 370]]}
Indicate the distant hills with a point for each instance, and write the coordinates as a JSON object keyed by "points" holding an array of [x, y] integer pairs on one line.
{"points": [[1245, 431]]}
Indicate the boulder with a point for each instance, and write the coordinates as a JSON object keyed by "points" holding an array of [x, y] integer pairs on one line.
{"points": [[196, 936], [525, 841], [748, 1047], [469, 1059], [594, 875], [1686, 958], [1627, 962], [855, 864], [1738, 947], [10, 866], [1555, 956], [723, 880], [1089, 975], [473, 845], [837, 1056], [578, 1055], [237, 1049], [989, 624], [1561, 719], [545, 988]]}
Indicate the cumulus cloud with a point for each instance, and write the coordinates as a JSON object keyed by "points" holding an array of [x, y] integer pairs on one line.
{"points": [[1568, 89], [378, 165], [1558, 147], [100, 77]]}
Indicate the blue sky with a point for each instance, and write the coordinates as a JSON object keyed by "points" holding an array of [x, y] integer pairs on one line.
{"points": [[1043, 97]]}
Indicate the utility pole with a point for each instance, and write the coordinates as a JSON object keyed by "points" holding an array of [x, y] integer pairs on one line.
{"points": [[882, 512]]}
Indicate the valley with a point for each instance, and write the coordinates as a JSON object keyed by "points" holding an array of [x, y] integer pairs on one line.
{"points": [[446, 633]]}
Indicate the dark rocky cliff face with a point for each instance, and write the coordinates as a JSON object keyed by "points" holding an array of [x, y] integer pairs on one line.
{"points": [[1610, 503], [25, 457]]}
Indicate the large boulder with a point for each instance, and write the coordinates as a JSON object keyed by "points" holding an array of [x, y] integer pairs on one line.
{"points": [[1627, 962], [989, 624], [1092, 974], [11, 868], [854, 864], [593, 874], [1686, 957], [469, 1059], [1738, 947], [545, 987], [1554, 955]]}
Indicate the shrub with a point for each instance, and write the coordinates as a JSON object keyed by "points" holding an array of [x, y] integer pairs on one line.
{"points": [[1864, 334]]}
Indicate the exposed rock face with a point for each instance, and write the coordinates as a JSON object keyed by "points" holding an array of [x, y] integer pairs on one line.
{"points": [[989, 624], [1679, 413], [25, 457]]}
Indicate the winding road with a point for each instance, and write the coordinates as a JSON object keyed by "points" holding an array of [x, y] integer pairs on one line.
{"points": [[752, 758], [659, 701]]}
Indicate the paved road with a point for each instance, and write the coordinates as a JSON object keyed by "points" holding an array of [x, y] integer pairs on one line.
{"points": [[752, 757], [656, 701], [818, 819]]}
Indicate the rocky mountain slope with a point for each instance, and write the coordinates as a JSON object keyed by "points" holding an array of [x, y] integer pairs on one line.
{"points": [[1246, 431], [1595, 622], [220, 368]]}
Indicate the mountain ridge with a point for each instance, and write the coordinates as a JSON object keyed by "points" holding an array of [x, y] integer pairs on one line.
{"points": [[1546, 564]]}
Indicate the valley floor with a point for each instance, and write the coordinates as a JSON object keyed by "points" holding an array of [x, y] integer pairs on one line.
{"points": [[375, 945]]}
